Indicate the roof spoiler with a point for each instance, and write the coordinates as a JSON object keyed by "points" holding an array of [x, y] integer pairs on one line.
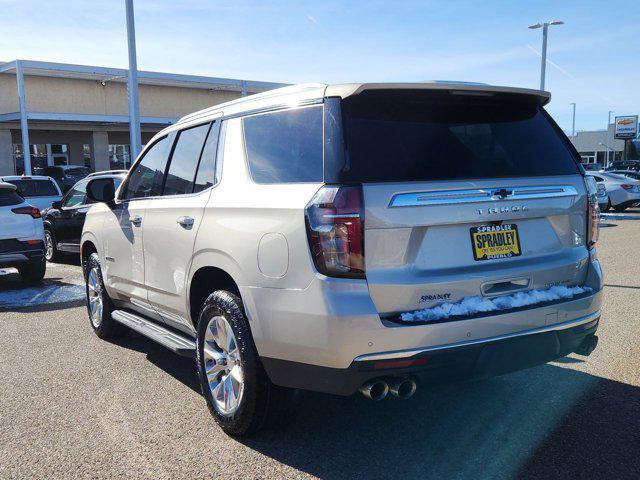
{"points": [[540, 97]]}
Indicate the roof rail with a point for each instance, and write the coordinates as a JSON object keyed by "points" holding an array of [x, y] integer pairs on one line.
{"points": [[249, 98], [107, 172]]}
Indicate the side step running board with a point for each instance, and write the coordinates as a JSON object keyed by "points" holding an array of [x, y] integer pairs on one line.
{"points": [[183, 346]]}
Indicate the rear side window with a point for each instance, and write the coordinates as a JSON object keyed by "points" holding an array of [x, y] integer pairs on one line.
{"points": [[416, 136], [285, 146], [184, 160], [36, 188], [9, 197], [146, 178]]}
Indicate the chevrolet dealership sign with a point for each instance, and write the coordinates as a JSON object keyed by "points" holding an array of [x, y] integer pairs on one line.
{"points": [[626, 127]]}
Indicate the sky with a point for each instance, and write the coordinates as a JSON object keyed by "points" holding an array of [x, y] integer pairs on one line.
{"points": [[594, 58]]}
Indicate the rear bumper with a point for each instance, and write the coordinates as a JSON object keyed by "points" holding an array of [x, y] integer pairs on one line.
{"points": [[16, 253], [317, 338], [445, 363]]}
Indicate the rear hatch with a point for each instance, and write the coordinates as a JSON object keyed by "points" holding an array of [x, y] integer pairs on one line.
{"points": [[14, 226], [464, 195], [39, 192]]}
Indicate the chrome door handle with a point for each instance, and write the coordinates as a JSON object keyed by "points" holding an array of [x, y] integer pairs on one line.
{"points": [[186, 222], [136, 221]]}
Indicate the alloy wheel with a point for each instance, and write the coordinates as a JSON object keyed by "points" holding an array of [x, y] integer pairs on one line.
{"points": [[48, 246], [94, 296], [222, 366]]}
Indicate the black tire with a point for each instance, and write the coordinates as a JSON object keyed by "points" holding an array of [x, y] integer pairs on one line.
{"points": [[106, 327], [261, 401], [51, 254], [608, 207], [34, 271], [619, 209]]}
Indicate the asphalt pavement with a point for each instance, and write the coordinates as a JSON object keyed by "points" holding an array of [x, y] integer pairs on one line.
{"points": [[73, 406]]}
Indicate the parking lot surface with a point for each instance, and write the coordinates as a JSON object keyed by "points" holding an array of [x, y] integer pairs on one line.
{"points": [[73, 406]]}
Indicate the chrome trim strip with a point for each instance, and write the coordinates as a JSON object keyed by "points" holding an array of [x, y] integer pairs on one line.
{"points": [[410, 353], [452, 197]]}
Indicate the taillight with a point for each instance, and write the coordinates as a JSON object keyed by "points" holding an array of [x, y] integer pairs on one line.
{"points": [[335, 230], [593, 212], [33, 211], [627, 187]]}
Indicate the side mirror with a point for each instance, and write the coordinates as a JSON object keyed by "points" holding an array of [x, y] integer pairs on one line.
{"points": [[101, 190], [56, 205]]}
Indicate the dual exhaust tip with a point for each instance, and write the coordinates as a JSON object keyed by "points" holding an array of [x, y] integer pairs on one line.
{"points": [[378, 389]]}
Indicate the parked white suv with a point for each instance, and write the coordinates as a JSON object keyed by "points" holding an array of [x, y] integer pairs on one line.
{"points": [[21, 235], [38, 191], [350, 237]]}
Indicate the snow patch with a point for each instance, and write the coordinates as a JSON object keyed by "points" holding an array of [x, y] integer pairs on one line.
{"points": [[28, 297], [473, 305]]}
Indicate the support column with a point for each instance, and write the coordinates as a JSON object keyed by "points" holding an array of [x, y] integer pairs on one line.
{"points": [[7, 166], [100, 151], [76, 153], [24, 127]]}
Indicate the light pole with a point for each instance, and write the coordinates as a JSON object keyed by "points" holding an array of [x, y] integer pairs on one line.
{"points": [[573, 123], [545, 29], [606, 163], [607, 136], [132, 86]]}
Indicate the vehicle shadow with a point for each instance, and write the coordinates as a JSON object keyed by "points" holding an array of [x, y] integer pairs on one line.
{"points": [[505, 427], [545, 422], [69, 259], [180, 368]]}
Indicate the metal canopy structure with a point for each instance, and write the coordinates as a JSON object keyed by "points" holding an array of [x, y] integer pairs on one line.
{"points": [[22, 68]]}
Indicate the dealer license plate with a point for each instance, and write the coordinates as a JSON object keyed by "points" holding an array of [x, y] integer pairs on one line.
{"points": [[490, 242]]}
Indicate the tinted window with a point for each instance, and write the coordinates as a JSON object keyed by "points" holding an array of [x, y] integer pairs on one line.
{"points": [[184, 160], [76, 196], [77, 171], [9, 197], [146, 178], [35, 188], [52, 172], [206, 176], [285, 146], [409, 136]]}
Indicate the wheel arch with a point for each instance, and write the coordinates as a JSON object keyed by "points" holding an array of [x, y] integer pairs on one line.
{"points": [[204, 281], [87, 247]]}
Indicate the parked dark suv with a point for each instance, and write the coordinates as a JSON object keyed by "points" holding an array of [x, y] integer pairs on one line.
{"points": [[63, 222], [66, 176]]}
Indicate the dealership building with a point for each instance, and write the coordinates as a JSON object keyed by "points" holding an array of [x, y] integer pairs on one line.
{"points": [[598, 146], [78, 114]]}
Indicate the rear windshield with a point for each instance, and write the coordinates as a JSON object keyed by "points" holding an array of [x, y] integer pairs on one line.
{"points": [[416, 136], [36, 188], [9, 197]]}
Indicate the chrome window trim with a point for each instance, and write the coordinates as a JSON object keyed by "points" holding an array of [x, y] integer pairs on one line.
{"points": [[418, 351], [120, 201], [454, 197]]}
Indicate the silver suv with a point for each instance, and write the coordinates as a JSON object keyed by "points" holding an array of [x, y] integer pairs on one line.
{"points": [[350, 237]]}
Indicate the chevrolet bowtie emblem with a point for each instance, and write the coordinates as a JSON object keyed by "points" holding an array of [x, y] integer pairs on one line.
{"points": [[502, 193]]}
